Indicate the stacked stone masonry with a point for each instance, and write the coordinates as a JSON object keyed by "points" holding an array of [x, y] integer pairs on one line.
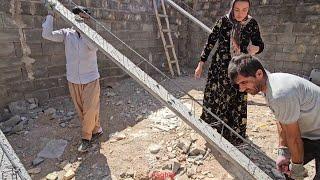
{"points": [[33, 67]]}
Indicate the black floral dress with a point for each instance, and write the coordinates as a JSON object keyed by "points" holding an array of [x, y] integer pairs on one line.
{"points": [[221, 97]]}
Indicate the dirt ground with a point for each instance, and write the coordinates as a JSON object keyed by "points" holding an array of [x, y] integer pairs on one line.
{"points": [[129, 119]]}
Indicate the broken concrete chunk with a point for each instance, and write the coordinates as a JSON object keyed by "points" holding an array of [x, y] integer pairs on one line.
{"points": [[37, 161], [11, 122], [154, 148], [18, 107], [184, 145], [53, 149], [50, 111], [69, 174], [34, 170], [197, 151], [52, 176]]}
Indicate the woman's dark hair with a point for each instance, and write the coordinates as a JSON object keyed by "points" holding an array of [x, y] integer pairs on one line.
{"points": [[233, 2], [245, 65]]}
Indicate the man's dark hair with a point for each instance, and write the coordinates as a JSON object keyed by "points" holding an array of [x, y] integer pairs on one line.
{"points": [[79, 9], [245, 65]]}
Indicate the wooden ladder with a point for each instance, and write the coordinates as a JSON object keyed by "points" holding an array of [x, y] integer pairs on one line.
{"points": [[165, 30]]}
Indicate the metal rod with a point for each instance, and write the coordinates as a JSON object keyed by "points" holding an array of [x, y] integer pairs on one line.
{"points": [[188, 15]]}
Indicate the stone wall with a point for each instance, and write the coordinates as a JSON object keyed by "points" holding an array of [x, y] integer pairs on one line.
{"points": [[290, 30], [34, 67]]}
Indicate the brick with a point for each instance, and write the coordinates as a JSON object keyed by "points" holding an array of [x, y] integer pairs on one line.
{"points": [[109, 72], [41, 95], [306, 28], [46, 83], [35, 48], [25, 8], [40, 10], [18, 49], [53, 49], [33, 35], [286, 39], [269, 38], [299, 49], [40, 61], [21, 86], [7, 50], [8, 75], [56, 70], [58, 91], [62, 81], [9, 35], [28, 21], [5, 6], [296, 66], [308, 39], [308, 9], [39, 73], [37, 21]]}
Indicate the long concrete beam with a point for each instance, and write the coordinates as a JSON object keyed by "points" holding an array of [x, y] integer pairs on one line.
{"points": [[246, 168], [10, 165]]}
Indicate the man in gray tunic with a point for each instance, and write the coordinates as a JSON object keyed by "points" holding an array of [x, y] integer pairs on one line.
{"points": [[295, 103]]}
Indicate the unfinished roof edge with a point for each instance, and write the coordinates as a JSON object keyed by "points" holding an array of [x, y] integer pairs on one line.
{"points": [[247, 168]]}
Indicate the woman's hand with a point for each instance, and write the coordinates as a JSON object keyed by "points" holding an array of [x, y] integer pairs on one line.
{"points": [[252, 50], [198, 71]]}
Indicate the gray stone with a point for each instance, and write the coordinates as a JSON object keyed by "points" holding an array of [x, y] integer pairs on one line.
{"points": [[119, 103], [37, 161], [18, 127], [11, 122], [33, 106], [191, 171], [50, 111], [154, 148], [175, 166], [63, 125], [196, 151], [33, 101], [18, 107], [34, 170], [184, 145], [53, 149], [71, 113]]}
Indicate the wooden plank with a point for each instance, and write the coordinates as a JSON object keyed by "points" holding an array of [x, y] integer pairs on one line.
{"points": [[247, 169]]}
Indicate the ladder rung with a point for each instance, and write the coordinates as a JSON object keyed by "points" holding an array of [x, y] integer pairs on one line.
{"points": [[163, 15], [166, 30], [173, 61], [169, 46]]}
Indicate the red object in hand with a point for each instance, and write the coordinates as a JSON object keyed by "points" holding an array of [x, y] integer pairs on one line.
{"points": [[162, 175], [282, 164]]}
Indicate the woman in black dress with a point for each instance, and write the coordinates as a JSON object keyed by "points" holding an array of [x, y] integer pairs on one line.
{"points": [[236, 33]]}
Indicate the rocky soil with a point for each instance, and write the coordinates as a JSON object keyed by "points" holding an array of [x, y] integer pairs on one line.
{"points": [[141, 137]]}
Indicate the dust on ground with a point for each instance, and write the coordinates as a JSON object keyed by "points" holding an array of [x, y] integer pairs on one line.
{"points": [[140, 136]]}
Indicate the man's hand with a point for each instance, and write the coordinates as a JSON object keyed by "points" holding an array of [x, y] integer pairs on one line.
{"points": [[283, 159], [297, 171], [50, 7]]}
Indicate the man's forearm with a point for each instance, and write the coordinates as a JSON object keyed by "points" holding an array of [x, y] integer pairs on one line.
{"points": [[281, 136], [296, 149]]}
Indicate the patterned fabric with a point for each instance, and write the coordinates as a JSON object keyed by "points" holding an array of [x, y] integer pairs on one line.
{"points": [[221, 97]]}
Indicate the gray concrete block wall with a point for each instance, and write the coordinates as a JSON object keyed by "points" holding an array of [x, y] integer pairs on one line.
{"points": [[33, 67], [290, 29]]}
